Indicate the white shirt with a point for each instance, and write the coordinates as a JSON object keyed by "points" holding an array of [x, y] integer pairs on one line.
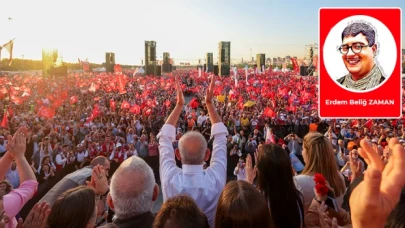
{"points": [[306, 184], [60, 159], [334, 139], [241, 175], [201, 119], [3, 147], [81, 155], [204, 186], [13, 178], [134, 153], [130, 138]]}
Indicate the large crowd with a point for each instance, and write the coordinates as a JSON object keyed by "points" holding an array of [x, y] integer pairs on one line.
{"points": [[95, 149]]}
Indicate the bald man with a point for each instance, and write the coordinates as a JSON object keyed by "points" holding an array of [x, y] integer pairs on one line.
{"points": [[204, 186], [133, 190]]}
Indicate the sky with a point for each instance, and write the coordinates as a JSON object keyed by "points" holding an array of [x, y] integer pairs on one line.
{"points": [[185, 28]]}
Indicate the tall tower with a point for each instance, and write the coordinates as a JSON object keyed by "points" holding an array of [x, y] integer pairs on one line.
{"points": [[209, 61], [49, 58], [150, 58], [109, 62], [260, 60], [224, 58], [166, 67]]}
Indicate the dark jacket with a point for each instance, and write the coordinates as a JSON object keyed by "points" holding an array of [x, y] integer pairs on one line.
{"points": [[70, 181], [141, 221]]}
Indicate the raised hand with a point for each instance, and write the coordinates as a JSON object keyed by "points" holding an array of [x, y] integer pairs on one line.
{"points": [[17, 144], [250, 170], [180, 95], [324, 220], [37, 217], [99, 182], [373, 199], [210, 91]]}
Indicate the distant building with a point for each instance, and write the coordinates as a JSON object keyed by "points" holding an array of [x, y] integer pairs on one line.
{"points": [[288, 58], [274, 61]]}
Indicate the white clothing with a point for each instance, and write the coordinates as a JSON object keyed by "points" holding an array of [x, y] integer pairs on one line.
{"points": [[306, 184], [80, 156], [241, 175], [200, 120], [204, 186]]}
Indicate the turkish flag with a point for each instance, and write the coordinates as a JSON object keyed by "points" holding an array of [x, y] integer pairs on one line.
{"points": [[74, 100], [125, 105], [4, 121], [269, 112], [194, 103], [135, 109], [121, 84], [368, 124], [112, 105], [46, 112], [94, 114], [354, 123]]}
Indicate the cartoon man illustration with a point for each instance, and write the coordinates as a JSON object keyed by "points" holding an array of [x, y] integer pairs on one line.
{"points": [[359, 50]]}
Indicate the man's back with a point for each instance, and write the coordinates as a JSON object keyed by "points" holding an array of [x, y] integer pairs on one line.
{"points": [[204, 186]]}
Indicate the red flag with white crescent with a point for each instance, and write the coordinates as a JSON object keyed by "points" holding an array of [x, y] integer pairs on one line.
{"points": [[46, 112], [112, 105]]}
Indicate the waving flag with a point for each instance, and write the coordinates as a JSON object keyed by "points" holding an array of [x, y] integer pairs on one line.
{"points": [[4, 121], [295, 65], [9, 47], [46, 112]]}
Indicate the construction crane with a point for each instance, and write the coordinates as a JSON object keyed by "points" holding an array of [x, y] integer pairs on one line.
{"points": [[310, 49]]}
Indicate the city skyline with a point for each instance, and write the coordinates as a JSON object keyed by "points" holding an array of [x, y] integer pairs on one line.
{"points": [[185, 29]]}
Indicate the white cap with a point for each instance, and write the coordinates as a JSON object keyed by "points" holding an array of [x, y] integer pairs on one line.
{"points": [[118, 145]]}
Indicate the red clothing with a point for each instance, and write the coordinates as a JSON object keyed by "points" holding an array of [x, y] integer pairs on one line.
{"points": [[93, 153], [107, 148], [153, 149], [119, 155]]}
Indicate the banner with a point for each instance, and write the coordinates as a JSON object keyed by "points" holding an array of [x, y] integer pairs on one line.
{"points": [[296, 67]]}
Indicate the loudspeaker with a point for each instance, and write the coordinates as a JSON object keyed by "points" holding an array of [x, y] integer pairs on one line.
{"points": [[166, 58], [109, 62], [166, 68], [222, 55], [224, 60], [225, 70], [152, 53], [158, 70], [304, 70], [260, 60], [216, 70], [150, 58]]}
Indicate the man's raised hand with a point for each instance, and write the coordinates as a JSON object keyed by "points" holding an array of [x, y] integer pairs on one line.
{"points": [[180, 95], [210, 91]]}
